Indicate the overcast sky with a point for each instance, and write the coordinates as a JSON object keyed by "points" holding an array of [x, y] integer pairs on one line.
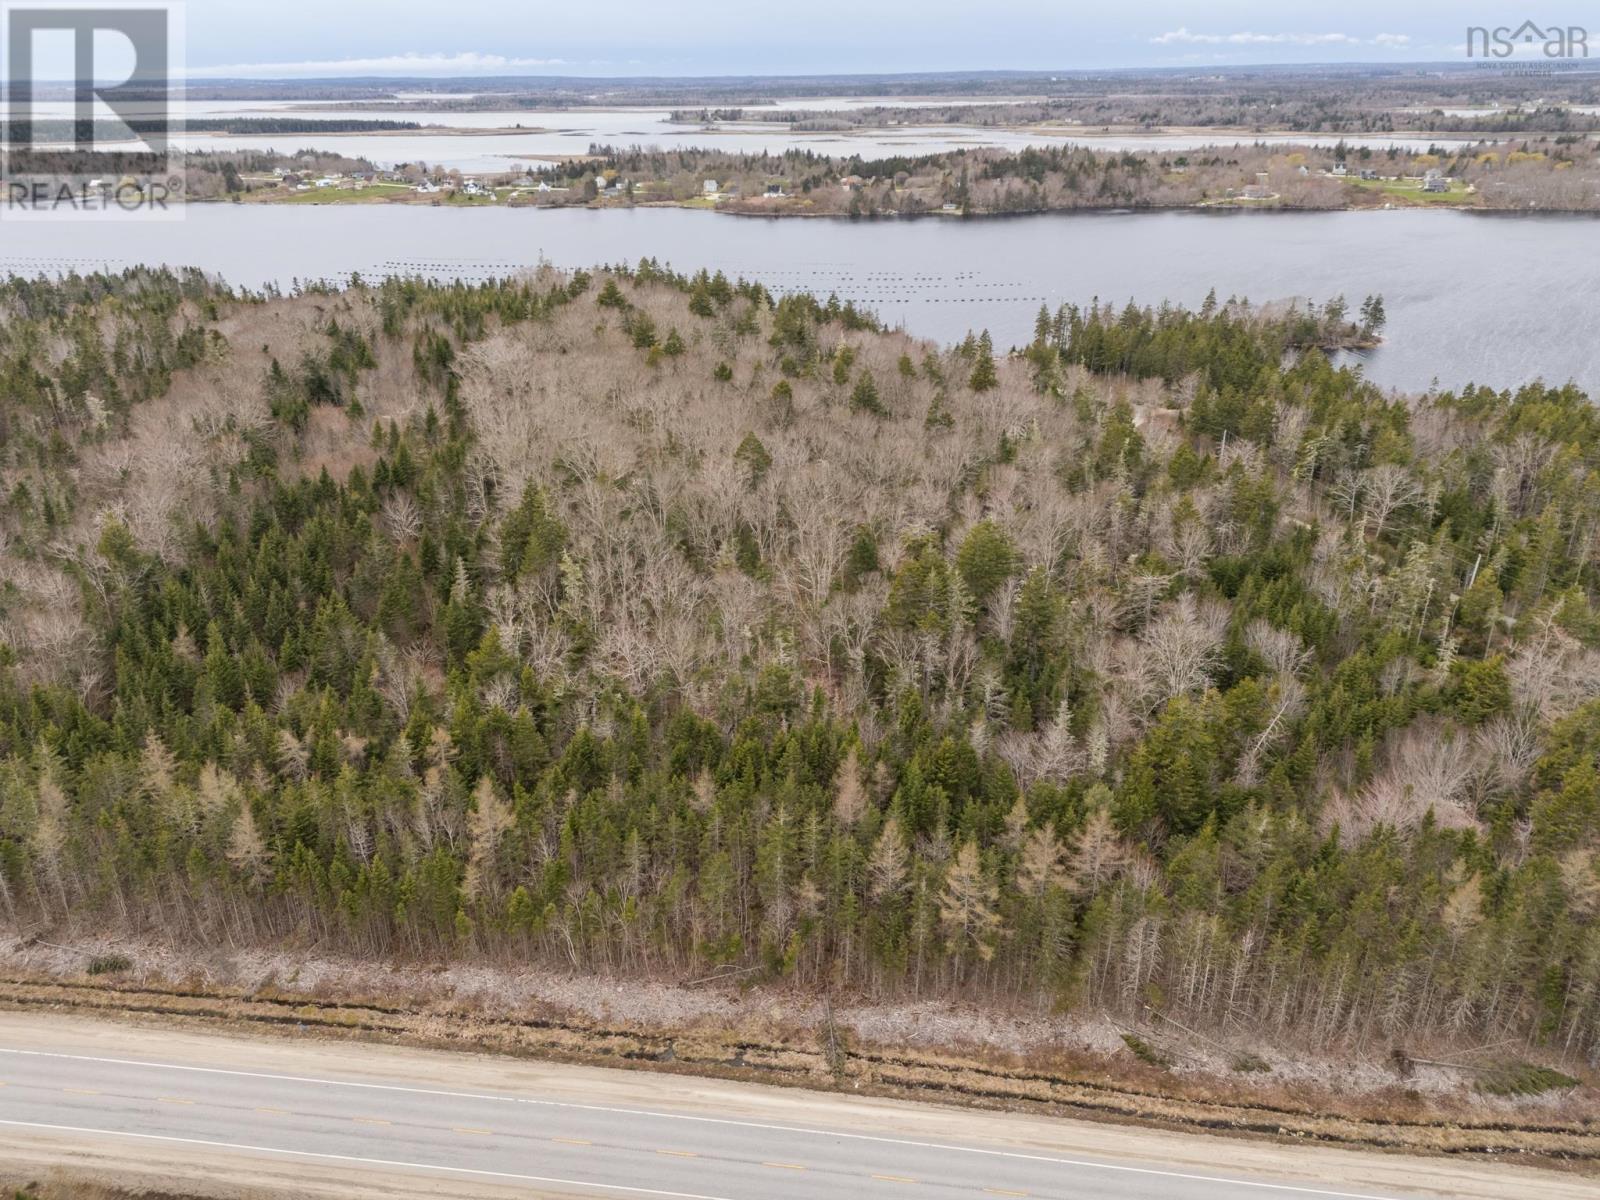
{"points": [[720, 37]]}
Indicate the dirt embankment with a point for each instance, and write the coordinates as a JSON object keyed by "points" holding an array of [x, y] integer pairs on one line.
{"points": [[1072, 1066], [53, 1183]]}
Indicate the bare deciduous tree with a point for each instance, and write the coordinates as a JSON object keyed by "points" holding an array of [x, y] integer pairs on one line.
{"points": [[1178, 651], [1385, 490]]}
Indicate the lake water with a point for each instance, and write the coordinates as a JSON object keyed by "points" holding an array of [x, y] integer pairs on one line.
{"points": [[1470, 297]]}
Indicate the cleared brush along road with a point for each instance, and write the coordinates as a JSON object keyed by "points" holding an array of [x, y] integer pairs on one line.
{"points": [[302, 1116]]}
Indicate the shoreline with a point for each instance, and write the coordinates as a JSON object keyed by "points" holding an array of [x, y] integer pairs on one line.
{"points": [[798, 214]]}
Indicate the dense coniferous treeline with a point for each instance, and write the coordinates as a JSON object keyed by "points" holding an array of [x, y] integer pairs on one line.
{"points": [[1248, 113], [1311, 98], [644, 624]]}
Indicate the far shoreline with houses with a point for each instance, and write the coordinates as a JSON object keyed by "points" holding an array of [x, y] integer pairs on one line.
{"points": [[1291, 184]]}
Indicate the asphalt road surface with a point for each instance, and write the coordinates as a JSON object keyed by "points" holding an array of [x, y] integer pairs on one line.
{"points": [[311, 1117]]}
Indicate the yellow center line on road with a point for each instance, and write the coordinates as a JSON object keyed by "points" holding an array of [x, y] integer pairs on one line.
{"points": [[273, 1112], [894, 1179], [784, 1166], [370, 1121], [172, 1100], [469, 1129], [679, 1153], [1002, 1192], [80, 1091], [572, 1141]]}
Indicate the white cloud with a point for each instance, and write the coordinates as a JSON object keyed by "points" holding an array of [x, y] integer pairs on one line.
{"points": [[469, 63], [1184, 36]]}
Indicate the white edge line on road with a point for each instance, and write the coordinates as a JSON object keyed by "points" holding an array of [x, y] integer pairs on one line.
{"points": [[666, 1116], [366, 1162]]}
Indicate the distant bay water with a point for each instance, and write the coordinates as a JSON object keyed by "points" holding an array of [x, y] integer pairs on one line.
{"points": [[490, 142]]}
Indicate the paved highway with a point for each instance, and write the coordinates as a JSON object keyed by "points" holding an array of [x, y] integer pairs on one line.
{"points": [[186, 1106]]}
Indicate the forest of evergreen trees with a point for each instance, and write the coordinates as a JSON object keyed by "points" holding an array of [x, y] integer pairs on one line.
{"points": [[643, 624]]}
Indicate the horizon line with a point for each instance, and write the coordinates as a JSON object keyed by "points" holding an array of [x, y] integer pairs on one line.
{"points": [[1515, 66]]}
